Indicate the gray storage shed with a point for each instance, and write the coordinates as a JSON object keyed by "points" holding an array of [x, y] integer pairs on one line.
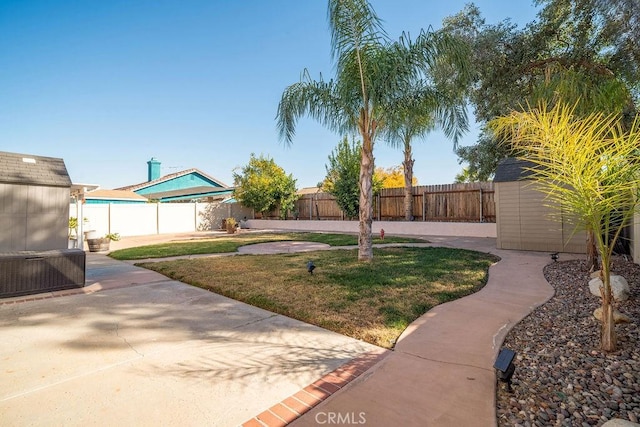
{"points": [[34, 227], [34, 203], [524, 218]]}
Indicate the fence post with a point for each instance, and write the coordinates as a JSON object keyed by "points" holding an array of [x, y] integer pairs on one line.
{"points": [[481, 205], [424, 206], [195, 216]]}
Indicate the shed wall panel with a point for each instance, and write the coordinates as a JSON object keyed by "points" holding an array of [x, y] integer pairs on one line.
{"points": [[525, 220], [635, 238], [33, 217], [508, 216]]}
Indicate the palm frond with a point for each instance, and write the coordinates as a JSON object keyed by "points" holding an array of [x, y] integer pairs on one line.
{"points": [[453, 121], [317, 99], [354, 25]]}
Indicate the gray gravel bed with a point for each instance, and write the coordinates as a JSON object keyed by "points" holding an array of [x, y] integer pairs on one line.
{"points": [[562, 377]]}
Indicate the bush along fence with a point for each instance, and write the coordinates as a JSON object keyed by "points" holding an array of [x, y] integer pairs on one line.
{"points": [[469, 202]]}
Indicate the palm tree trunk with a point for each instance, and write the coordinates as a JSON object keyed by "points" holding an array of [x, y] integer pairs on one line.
{"points": [[407, 165], [608, 339], [365, 248]]}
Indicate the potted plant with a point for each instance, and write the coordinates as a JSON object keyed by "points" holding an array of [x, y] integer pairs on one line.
{"points": [[73, 232], [101, 244]]}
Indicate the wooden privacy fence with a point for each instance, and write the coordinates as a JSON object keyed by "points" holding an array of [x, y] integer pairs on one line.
{"points": [[470, 202]]}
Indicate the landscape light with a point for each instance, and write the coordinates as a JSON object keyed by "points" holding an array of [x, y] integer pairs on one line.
{"points": [[504, 366]]}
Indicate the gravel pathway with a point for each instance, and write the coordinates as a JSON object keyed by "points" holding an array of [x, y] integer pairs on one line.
{"points": [[562, 378]]}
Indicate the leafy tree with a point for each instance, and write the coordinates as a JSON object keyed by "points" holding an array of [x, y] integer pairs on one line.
{"points": [[578, 51], [606, 30], [588, 167], [370, 72], [393, 177], [343, 174], [264, 186], [465, 176]]}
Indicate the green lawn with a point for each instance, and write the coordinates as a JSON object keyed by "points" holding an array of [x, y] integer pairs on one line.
{"points": [[373, 302], [232, 242]]}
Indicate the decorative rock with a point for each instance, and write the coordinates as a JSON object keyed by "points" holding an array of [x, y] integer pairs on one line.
{"points": [[617, 316], [617, 422], [619, 287], [561, 370]]}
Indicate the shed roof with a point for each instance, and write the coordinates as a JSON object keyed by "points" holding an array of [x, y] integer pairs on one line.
{"points": [[27, 169], [512, 169]]}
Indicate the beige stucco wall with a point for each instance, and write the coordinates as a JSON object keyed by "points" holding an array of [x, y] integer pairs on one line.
{"points": [[33, 218], [415, 228], [525, 221]]}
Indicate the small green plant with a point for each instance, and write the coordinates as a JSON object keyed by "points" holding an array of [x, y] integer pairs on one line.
{"points": [[112, 236], [73, 227], [231, 224]]}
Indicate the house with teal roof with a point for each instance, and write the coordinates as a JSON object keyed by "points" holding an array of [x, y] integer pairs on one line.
{"points": [[189, 185]]}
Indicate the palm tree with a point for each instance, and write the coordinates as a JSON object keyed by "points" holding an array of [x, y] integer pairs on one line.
{"points": [[605, 93], [424, 107], [588, 167], [370, 72]]}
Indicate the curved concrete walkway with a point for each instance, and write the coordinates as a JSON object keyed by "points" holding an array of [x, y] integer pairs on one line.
{"points": [[440, 373]]}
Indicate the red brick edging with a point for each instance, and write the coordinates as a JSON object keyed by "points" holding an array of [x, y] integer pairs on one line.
{"points": [[301, 402]]}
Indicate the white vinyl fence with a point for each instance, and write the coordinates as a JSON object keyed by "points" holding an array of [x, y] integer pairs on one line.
{"points": [[138, 219]]}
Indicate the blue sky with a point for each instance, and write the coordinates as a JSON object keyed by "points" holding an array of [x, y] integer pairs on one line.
{"points": [[106, 85]]}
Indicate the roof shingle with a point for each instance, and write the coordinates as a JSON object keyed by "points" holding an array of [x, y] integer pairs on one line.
{"points": [[18, 168], [512, 169]]}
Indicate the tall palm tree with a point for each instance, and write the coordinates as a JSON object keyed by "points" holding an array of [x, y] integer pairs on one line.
{"points": [[421, 109], [370, 71]]}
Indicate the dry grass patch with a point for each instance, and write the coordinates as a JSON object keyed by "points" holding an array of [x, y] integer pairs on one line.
{"points": [[373, 302]]}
